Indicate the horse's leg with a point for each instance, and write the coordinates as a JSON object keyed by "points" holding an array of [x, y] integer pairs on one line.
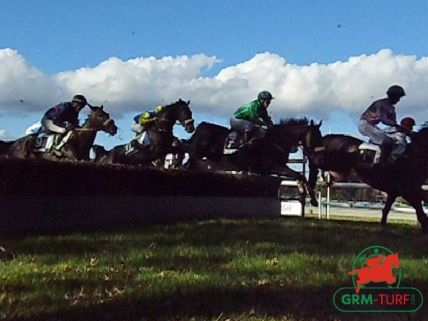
{"points": [[159, 161], [178, 152], [287, 171], [389, 201], [415, 200], [29, 146], [313, 174]]}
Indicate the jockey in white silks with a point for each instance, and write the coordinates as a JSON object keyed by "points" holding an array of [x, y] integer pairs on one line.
{"points": [[381, 111]]}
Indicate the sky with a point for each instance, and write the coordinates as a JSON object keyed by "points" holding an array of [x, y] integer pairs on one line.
{"points": [[326, 59]]}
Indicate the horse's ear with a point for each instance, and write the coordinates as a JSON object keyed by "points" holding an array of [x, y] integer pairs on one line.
{"points": [[188, 102], [319, 124], [102, 106], [312, 123]]}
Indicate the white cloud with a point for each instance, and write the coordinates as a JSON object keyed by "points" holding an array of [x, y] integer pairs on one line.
{"points": [[2, 134], [313, 90], [22, 87]]}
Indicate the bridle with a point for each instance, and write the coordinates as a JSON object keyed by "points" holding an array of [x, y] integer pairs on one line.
{"points": [[165, 128], [309, 151], [104, 127]]}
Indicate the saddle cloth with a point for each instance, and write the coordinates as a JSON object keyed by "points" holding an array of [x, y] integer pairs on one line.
{"points": [[371, 152], [232, 143], [142, 139], [44, 142]]}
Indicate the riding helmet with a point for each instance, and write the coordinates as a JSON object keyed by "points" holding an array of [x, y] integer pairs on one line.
{"points": [[395, 91], [159, 108], [80, 99], [407, 122], [264, 95]]}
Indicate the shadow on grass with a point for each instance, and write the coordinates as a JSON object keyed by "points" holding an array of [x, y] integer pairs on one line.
{"points": [[260, 236], [309, 236], [210, 303]]}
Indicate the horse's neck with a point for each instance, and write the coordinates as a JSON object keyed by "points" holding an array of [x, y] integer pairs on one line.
{"points": [[156, 126], [83, 141], [288, 137], [88, 126]]}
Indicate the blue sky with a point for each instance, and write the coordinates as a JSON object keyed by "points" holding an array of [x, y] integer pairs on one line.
{"points": [[322, 59]]}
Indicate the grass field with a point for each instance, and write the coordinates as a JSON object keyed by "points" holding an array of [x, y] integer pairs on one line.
{"points": [[254, 269]]}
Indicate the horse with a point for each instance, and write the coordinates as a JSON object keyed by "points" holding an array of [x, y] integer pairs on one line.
{"points": [[269, 154], [339, 156], [162, 140], [404, 177], [208, 141], [78, 145]]}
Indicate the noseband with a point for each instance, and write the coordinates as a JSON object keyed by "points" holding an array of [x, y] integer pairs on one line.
{"points": [[186, 122], [183, 123]]}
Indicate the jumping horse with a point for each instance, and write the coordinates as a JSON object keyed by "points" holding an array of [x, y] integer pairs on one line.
{"points": [[404, 177], [266, 155], [78, 145], [162, 140]]}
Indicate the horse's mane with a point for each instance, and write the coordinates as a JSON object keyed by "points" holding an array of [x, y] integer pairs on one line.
{"points": [[294, 122], [424, 127], [421, 134], [178, 102], [419, 140], [89, 115]]}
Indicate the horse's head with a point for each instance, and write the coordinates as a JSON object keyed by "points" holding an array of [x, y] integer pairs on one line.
{"points": [[178, 111], [100, 120], [312, 140]]}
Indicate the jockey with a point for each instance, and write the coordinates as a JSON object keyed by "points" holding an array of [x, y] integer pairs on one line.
{"points": [[400, 133], [62, 118], [381, 111], [246, 117], [141, 121]]}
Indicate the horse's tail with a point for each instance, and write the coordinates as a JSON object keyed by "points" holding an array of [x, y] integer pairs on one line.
{"points": [[100, 152]]}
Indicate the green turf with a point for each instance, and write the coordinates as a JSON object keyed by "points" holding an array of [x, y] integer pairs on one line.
{"points": [[261, 269]]}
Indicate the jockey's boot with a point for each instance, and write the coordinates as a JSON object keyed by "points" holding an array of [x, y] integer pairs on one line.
{"points": [[57, 150]]}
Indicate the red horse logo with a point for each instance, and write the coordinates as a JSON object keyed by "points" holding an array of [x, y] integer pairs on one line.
{"points": [[377, 269]]}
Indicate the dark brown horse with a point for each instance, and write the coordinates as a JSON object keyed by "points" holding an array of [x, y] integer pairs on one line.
{"points": [[162, 139], [404, 177], [339, 156], [269, 154], [77, 147]]}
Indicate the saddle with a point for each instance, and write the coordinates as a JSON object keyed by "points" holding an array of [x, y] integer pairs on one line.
{"points": [[371, 153]]}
